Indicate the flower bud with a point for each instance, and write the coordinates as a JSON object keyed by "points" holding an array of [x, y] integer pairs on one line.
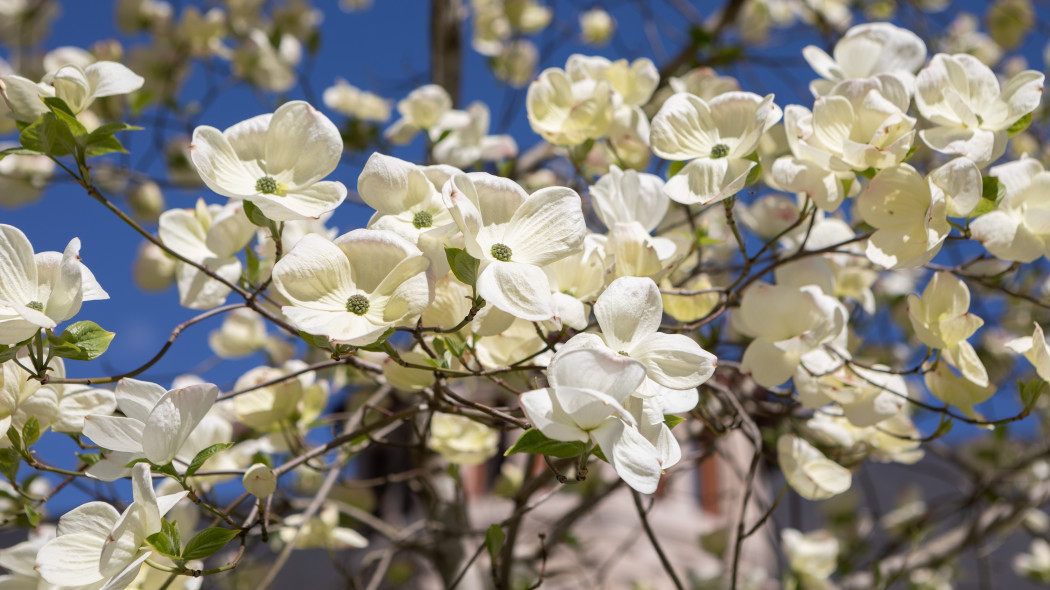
{"points": [[597, 26], [260, 480], [146, 201], [154, 270]]}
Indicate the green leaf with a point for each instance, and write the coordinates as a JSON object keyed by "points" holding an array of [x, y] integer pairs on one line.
{"points": [[134, 462], [204, 455], [18, 151], [983, 206], [15, 437], [208, 542], [65, 114], [1030, 392], [754, 174], [255, 215], [494, 538], [30, 431], [312, 340], [671, 420], [82, 341], [103, 146], [1019, 125], [8, 352], [379, 344], [10, 461], [89, 458], [674, 168], [167, 541], [992, 189], [253, 265], [867, 173], [847, 184], [464, 266], [48, 135], [535, 442], [31, 515]]}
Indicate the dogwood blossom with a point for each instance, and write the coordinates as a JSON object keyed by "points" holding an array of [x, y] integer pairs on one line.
{"points": [[786, 322], [77, 86], [868, 50], [59, 406], [514, 235], [1035, 349], [629, 314], [715, 137], [941, 320], [210, 235], [812, 556], [466, 142], [1015, 230], [970, 112], [422, 109], [353, 289], [96, 544], [808, 471], [155, 425], [910, 213], [623, 196], [276, 161], [584, 403], [40, 290], [461, 440]]}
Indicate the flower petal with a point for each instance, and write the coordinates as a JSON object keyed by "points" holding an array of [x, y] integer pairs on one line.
{"points": [[629, 311], [302, 145], [174, 418], [521, 290]]}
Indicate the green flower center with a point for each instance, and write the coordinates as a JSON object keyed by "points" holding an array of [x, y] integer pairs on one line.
{"points": [[35, 305], [266, 185], [501, 252], [622, 353], [422, 219], [357, 304], [720, 151]]}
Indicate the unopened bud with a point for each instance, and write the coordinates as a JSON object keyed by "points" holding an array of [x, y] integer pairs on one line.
{"points": [[260, 480], [147, 202]]}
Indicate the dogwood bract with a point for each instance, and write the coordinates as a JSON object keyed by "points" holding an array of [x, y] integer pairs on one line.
{"points": [[96, 544], [276, 161], [584, 403], [514, 235], [40, 290], [353, 289]]}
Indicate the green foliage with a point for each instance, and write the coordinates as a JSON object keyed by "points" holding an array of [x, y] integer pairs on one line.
{"points": [[82, 341], [208, 542], [534, 442]]}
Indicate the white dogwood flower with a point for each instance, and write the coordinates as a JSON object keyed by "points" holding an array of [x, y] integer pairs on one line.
{"points": [[422, 109], [515, 235], [629, 314], [584, 403], [868, 50], [40, 290], [1016, 229], [77, 86], [276, 161], [210, 235], [715, 137], [786, 322], [623, 196], [970, 111], [353, 289], [1035, 349], [941, 320], [910, 213], [808, 471], [98, 545], [155, 425]]}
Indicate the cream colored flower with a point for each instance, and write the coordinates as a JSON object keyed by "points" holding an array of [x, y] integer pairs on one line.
{"points": [[353, 289], [461, 440], [716, 138], [275, 161], [808, 471], [941, 320]]}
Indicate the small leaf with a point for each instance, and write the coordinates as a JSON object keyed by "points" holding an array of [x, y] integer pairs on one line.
{"points": [[253, 265], [1019, 125], [535, 442], [30, 431], [31, 515], [674, 168], [164, 542], [380, 344], [754, 174], [65, 114], [134, 462], [867, 172], [48, 135], [15, 437], [10, 461], [1030, 392], [204, 455], [463, 265], [103, 146], [82, 341], [312, 340], [208, 542], [494, 537], [671, 420], [89, 458], [18, 151], [992, 189], [255, 215]]}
